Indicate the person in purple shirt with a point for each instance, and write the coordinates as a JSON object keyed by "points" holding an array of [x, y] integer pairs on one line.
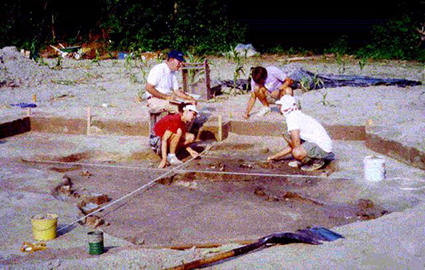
{"points": [[271, 83], [268, 85]]}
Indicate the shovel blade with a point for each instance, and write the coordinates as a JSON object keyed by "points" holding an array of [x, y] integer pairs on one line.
{"points": [[327, 234], [287, 238]]}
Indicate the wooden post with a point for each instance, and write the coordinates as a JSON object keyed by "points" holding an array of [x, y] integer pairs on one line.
{"points": [[28, 111], [220, 128], [88, 121], [184, 79], [208, 80]]}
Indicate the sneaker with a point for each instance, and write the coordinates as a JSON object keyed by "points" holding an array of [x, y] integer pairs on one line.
{"points": [[174, 160], [313, 166], [264, 111], [294, 164]]}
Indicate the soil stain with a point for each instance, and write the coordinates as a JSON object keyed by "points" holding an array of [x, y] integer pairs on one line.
{"points": [[75, 157], [67, 169]]}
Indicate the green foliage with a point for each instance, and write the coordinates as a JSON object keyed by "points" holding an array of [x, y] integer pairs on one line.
{"points": [[194, 74], [59, 63], [341, 62], [396, 39], [306, 84], [203, 26], [21, 24], [199, 25], [96, 59], [29, 24], [324, 101], [279, 49], [362, 63], [239, 67], [340, 46]]}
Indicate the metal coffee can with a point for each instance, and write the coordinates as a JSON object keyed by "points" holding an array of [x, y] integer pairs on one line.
{"points": [[95, 239]]}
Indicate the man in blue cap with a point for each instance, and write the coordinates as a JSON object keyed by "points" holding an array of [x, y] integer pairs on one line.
{"points": [[162, 85]]}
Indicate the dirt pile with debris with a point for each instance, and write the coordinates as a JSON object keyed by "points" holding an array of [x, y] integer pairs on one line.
{"points": [[18, 71]]}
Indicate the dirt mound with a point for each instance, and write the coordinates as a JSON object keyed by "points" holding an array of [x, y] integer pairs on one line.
{"points": [[19, 71]]}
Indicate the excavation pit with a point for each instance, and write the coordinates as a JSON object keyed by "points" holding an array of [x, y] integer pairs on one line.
{"points": [[229, 195]]}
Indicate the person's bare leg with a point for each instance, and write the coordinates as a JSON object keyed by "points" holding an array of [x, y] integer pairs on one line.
{"points": [[174, 141], [276, 94], [189, 138], [261, 94], [300, 153]]}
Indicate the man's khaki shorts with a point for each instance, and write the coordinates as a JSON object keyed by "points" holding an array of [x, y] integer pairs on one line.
{"points": [[314, 151], [161, 105]]}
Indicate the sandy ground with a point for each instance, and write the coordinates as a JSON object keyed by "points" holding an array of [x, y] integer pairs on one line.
{"points": [[111, 87]]}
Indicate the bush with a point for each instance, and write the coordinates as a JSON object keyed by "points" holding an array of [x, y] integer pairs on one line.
{"points": [[340, 46], [199, 25], [203, 26], [396, 39]]}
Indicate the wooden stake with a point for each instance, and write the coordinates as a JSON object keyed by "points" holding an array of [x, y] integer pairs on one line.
{"points": [[220, 128], [88, 121], [34, 97], [28, 111]]}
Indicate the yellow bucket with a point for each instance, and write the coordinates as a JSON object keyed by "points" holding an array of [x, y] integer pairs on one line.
{"points": [[44, 226]]}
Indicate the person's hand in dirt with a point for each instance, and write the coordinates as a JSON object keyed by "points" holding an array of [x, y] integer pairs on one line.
{"points": [[163, 164], [192, 152]]}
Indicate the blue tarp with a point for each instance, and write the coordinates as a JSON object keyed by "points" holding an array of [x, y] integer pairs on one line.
{"points": [[24, 105]]}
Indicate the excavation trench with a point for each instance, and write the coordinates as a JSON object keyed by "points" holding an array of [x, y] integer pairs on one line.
{"points": [[214, 200]]}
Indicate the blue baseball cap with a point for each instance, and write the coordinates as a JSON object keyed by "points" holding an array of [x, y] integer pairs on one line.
{"points": [[176, 55]]}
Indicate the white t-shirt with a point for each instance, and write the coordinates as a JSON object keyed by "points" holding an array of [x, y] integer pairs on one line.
{"points": [[163, 79], [310, 129], [275, 79]]}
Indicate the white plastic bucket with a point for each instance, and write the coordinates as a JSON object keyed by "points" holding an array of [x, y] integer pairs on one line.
{"points": [[374, 168]]}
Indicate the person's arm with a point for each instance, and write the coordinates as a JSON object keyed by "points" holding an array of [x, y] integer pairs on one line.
{"points": [[164, 147], [295, 138], [179, 93], [286, 86], [192, 152], [250, 105], [152, 90], [280, 154], [292, 142]]}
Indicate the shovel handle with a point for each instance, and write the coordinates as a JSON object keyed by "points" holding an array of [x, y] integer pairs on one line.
{"points": [[204, 261], [219, 257]]}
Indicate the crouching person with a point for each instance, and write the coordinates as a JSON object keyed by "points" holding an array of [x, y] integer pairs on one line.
{"points": [[169, 135], [308, 141]]}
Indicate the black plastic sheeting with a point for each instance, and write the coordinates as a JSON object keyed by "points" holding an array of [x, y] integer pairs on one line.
{"points": [[309, 80], [318, 81]]}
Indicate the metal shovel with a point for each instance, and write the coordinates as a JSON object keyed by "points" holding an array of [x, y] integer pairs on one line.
{"points": [[313, 236]]}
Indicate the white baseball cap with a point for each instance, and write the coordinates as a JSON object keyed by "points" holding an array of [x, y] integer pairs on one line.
{"points": [[287, 102], [191, 108]]}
